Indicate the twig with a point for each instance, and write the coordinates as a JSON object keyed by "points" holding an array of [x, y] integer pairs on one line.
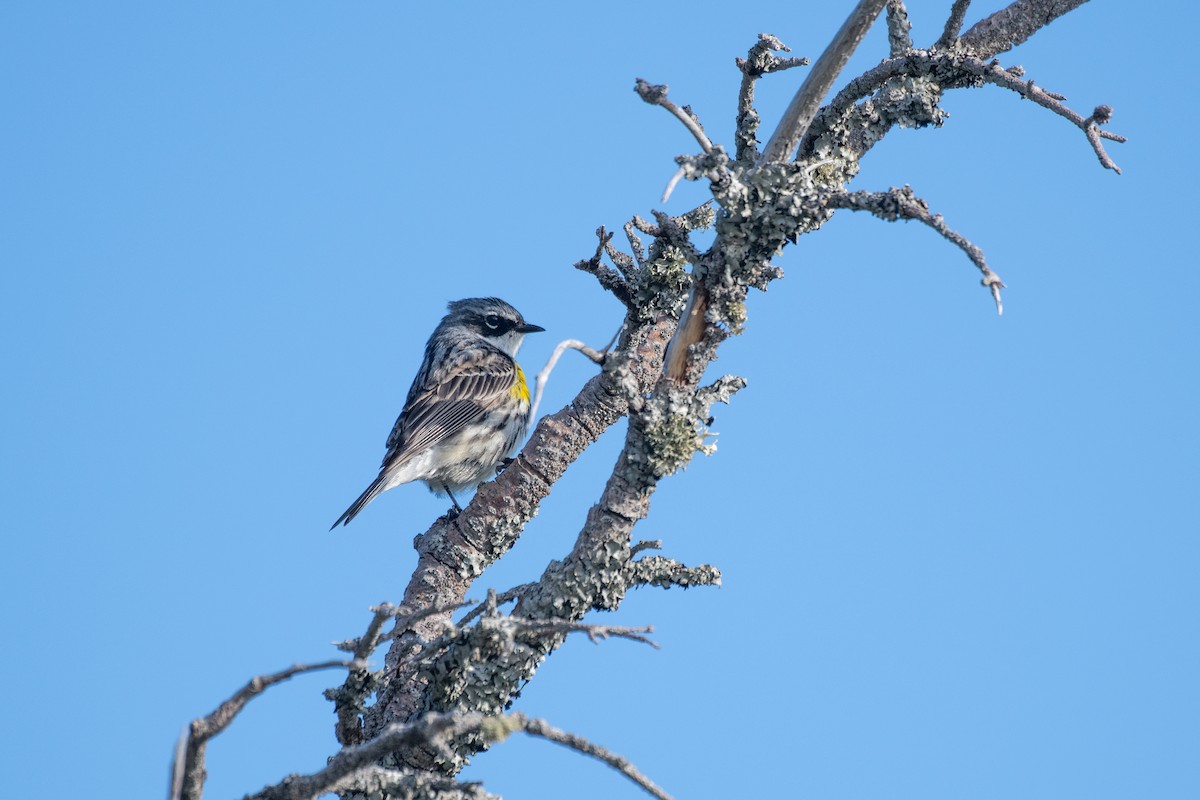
{"points": [[594, 632], [953, 25], [350, 760], [645, 544], [675, 179], [899, 28], [188, 783], [759, 61], [544, 375], [609, 279], [656, 95], [971, 70], [666, 572], [1101, 115], [543, 729], [903, 204], [499, 599], [804, 105], [993, 73]]}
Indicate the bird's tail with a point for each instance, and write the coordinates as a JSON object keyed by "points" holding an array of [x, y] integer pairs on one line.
{"points": [[377, 486]]}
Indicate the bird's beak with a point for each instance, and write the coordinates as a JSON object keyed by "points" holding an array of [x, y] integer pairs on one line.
{"points": [[527, 328]]}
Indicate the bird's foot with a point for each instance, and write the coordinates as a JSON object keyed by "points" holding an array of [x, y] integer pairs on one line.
{"points": [[503, 465]]}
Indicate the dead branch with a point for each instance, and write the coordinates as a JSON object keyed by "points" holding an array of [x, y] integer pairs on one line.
{"points": [[189, 772], [543, 729], [958, 13], [760, 60], [656, 95], [804, 105], [1010, 26], [899, 28], [903, 204]]}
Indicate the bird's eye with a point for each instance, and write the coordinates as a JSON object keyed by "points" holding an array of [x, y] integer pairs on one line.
{"points": [[492, 321]]}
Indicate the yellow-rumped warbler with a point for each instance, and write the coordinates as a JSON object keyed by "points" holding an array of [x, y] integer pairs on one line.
{"points": [[468, 407]]}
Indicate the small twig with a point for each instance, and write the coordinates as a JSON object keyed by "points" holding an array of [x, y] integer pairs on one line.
{"points": [[187, 779], [608, 278], [666, 572], [594, 632], [759, 61], [899, 28], [404, 621], [804, 105], [543, 729], [656, 95], [645, 544], [953, 25], [544, 375], [903, 204], [635, 244], [429, 728], [969, 71], [500, 599], [675, 179], [1100, 116]]}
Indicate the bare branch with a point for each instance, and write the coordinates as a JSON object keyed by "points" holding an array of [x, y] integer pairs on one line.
{"points": [[656, 95], [804, 105], [759, 61], [188, 773], [609, 279], [903, 204], [543, 729], [954, 71], [1011, 26], [645, 544], [899, 28], [595, 356], [494, 599], [953, 25], [666, 572], [356, 769], [594, 632], [352, 760], [995, 74]]}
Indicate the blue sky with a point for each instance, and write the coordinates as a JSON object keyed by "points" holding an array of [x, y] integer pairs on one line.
{"points": [[960, 551]]}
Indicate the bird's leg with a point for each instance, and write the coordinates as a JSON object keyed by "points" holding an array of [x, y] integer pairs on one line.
{"points": [[454, 512], [503, 465]]}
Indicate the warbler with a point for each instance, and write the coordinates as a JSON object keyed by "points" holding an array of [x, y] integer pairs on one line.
{"points": [[468, 407]]}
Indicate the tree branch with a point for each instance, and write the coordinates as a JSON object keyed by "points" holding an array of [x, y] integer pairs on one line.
{"points": [[656, 95], [188, 771], [1013, 25], [899, 28], [804, 105], [759, 61], [953, 25], [903, 204], [543, 729]]}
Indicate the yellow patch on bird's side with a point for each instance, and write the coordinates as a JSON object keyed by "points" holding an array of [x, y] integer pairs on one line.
{"points": [[520, 389]]}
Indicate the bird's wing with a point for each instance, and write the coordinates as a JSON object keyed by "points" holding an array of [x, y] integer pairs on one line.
{"points": [[449, 402]]}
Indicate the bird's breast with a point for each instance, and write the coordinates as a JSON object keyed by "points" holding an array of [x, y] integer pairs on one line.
{"points": [[520, 389]]}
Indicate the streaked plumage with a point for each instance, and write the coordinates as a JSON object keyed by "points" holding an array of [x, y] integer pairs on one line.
{"points": [[468, 407]]}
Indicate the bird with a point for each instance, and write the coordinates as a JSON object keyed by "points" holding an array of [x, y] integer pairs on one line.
{"points": [[468, 408]]}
